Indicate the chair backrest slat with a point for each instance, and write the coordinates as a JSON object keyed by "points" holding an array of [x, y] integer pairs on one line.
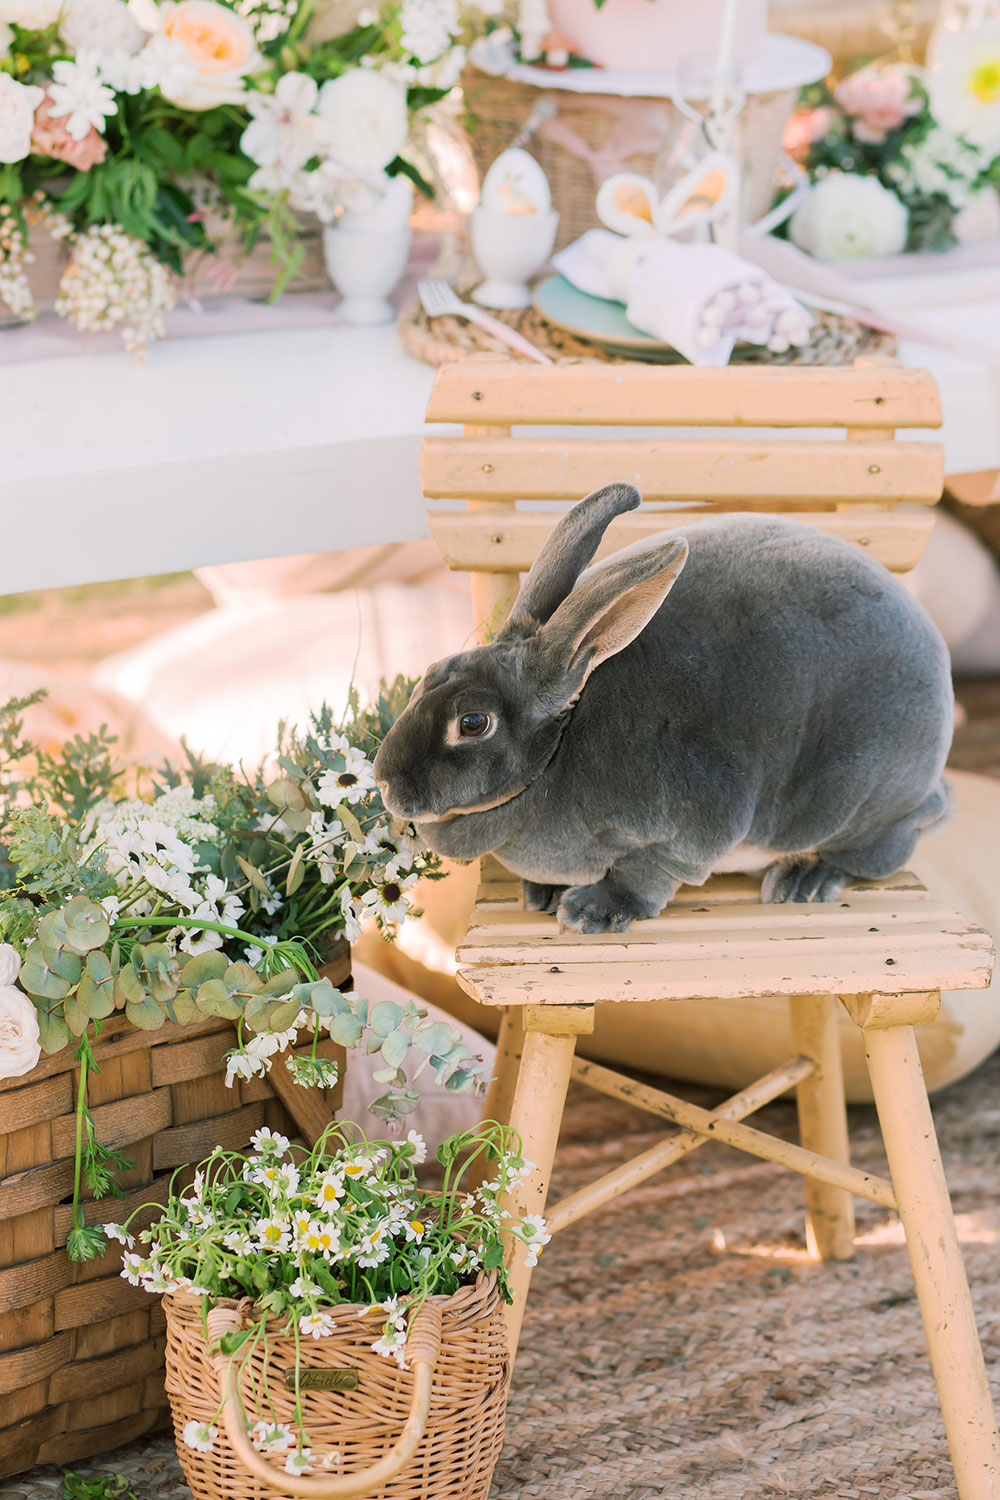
{"points": [[651, 396], [849, 482]]}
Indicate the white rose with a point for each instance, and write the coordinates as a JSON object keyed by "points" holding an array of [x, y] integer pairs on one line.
{"points": [[10, 963], [33, 15], [217, 46], [364, 120], [847, 216], [99, 26], [979, 219], [18, 102], [19, 1048]]}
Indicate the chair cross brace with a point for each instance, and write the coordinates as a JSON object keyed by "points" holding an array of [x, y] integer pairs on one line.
{"points": [[722, 1124]]}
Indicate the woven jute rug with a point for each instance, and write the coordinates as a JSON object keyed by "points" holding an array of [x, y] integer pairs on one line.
{"points": [[679, 1344]]}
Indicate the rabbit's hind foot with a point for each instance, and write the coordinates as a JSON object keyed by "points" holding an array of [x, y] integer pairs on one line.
{"points": [[606, 906], [802, 879], [540, 897]]}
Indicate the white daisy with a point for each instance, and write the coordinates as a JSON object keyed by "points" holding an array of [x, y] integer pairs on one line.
{"points": [[318, 1325], [299, 1462], [200, 1435], [414, 1139], [272, 1234], [271, 1437], [264, 1140]]}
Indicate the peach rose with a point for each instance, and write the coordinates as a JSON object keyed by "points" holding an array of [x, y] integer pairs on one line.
{"points": [[805, 127], [220, 50], [50, 137], [878, 100]]}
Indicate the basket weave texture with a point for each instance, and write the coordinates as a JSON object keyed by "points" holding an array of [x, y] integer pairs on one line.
{"points": [[464, 1432], [593, 136], [81, 1351]]}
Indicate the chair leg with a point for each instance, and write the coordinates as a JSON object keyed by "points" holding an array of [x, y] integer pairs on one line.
{"points": [[823, 1123], [536, 1113], [938, 1273], [510, 1045]]}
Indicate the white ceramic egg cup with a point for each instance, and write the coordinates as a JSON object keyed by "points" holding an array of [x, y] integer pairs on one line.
{"points": [[510, 248]]}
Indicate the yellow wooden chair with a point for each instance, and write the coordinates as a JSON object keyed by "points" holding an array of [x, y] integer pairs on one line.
{"points": [[885, 951]]}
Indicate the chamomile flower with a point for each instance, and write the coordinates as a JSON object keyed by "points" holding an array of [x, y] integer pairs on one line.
{"points": [[272, 1234], [120, 1233], [392, 1345], [134, 1268], [281, 1177], [331, 1191], [415, 1230], [271, 1437], [303, 1287], [372, 1248], [299, 1462], [331, 1459], [419, 1154], [265, 1141], [318, 1325], [200, 1435], [238, 1241], [321, 1238], [535, 1236]]}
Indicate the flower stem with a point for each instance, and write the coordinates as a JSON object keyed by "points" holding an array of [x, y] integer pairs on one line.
{"points": [[81, 1104]]}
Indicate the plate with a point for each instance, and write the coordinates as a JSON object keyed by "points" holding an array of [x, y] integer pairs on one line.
{"points": [[597, 320]]}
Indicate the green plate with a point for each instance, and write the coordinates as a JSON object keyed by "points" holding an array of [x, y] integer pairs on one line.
{"points": [[597, 320]]}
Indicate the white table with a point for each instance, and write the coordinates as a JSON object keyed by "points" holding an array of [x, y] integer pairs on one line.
{"points": [[230, 447]]}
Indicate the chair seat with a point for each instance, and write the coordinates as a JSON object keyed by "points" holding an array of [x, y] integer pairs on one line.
{"points": [[718, 941]]}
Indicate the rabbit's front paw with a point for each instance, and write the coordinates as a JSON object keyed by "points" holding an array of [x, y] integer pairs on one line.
{"points": [[540, 897], [802, 880], [604, 907]]}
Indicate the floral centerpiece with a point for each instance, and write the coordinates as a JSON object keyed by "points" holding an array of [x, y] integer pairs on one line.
{"points": [[204, 891], [145, 135], [304, 1241], [902, 157]]}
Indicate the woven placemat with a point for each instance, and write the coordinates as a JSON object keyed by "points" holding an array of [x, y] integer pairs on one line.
{"points": [[835, 341]]}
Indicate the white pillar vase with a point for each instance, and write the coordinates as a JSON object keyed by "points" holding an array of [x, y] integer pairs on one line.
{"points": [[366, 253]]}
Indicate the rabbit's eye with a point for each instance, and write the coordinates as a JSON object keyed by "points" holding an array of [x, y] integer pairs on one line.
{"points": [[473, 726]]}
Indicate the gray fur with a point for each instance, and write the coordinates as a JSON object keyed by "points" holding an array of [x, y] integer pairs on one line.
{"points": [[788, 694]]}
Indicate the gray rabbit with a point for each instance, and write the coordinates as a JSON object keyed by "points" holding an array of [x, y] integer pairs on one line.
{"points": [[788, 708]]}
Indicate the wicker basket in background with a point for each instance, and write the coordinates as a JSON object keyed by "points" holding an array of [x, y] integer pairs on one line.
{"points": [[81, 1351], [592, 136], [462, 1337]]}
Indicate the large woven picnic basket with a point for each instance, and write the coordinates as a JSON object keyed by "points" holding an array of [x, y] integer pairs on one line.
{"points": [[81, 1351], [430, 1432]]}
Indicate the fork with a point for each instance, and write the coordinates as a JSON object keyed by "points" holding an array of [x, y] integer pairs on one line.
{"points": [[438, 300]]}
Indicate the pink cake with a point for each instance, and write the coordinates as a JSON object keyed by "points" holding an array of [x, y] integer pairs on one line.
{"points": [[657, 33]]}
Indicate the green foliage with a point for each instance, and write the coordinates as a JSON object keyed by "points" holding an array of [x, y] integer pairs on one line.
{"points": [[97, 1487]]}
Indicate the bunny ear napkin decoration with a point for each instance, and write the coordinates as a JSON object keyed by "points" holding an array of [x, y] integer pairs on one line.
{"points": [[630, 205], [698, 297]]}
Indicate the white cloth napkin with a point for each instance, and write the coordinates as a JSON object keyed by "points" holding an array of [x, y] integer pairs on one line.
{"points": [[699, 298]]}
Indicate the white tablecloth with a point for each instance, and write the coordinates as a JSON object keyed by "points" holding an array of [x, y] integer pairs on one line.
{"points": [[225, 446]]}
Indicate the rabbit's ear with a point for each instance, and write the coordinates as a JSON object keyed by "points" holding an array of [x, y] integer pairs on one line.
{"points": [[611, 605], [569, 548]]}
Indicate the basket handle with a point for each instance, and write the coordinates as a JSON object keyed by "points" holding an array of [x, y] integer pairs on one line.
{"points": [[422, 1346]]}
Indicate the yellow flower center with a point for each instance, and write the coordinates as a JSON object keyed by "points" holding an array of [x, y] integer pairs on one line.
{"points": [[984, 81], [417, 1226]]}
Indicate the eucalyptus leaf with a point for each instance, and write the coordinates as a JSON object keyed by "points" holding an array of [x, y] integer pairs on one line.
{"points": [[210, 965], [64, 962], [39, 979], [130, 986], [286, 795], [53, 1033], [351, 823], [281, 983], [385, 1017], [184, 1008], [346, 1030], [86, 925], [75, 1016], [395, 1047], [296, 872], [254, 876], [241, 979], [146, 1014], [96, 1000], [214, 999]]}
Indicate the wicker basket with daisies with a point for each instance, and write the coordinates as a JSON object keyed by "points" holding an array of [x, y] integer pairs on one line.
{"points": [[334, 1329]]}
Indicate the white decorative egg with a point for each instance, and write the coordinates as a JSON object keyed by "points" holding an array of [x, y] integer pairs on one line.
{"points": [[516, 184]]}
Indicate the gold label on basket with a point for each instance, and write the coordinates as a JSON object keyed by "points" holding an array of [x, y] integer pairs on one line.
{"points": [[323, 1380]]}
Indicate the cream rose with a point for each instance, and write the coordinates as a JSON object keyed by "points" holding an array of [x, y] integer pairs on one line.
{"points": [[364, 120], [219, 48], [10, 963], [18, 102], [847, 216], [99, 26], [19, 1047]]}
